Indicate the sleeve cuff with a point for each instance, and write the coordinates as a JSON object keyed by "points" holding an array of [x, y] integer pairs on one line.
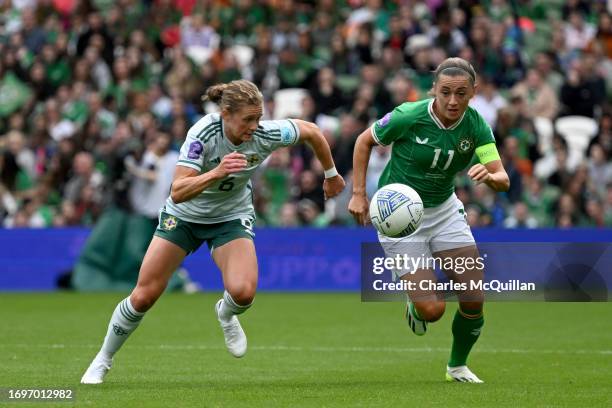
{"points": [[189, 164], [374, 136]]}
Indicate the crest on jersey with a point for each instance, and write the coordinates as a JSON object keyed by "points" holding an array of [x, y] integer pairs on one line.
{"points": [[384, 121], [195, 150], [169, 223], [253, 159], [465, 144]]}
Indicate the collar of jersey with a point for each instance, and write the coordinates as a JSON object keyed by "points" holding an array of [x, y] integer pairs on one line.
{"points": [[438, 122]]}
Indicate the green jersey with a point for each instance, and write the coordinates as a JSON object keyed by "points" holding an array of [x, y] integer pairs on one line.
{"points": [[232, 197], [425, 154]]}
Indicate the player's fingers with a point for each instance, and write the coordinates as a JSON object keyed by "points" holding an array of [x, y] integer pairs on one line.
{"points": [[236, 162], [364, 218], [472, 170], [234, 168], [482, 174]]}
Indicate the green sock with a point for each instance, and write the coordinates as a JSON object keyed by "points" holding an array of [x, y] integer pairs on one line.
{"points": [[465, 333]]}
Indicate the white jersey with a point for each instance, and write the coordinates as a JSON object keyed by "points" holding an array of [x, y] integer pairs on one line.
{"points": [[232, 197]]}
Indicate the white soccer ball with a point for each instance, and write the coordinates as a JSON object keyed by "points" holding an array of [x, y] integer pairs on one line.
{"points": [[396, 210]]}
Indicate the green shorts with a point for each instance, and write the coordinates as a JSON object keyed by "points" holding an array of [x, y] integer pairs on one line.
{"points": [[190, 235]]}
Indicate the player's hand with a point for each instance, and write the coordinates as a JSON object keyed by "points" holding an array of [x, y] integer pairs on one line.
{"points": [[479, 173], [333, 186], [360, 208], [231, 163]]}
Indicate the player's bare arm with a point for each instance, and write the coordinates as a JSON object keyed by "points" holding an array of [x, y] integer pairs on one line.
{"points": [[492, 174], [189, 183], [312, 136], [358, 206]]}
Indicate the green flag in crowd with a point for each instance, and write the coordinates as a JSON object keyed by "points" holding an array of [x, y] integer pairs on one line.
{"points": [[13, 94]]}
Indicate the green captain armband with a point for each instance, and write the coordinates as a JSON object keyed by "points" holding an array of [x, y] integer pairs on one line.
{"points": [[487, 153]]}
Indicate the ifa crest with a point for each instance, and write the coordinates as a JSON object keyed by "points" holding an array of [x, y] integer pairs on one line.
{"points": [[465, 144], [169, 223], [253, 160]]}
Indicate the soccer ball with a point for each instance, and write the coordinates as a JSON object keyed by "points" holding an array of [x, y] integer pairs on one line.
{"points": [[396, 210]]}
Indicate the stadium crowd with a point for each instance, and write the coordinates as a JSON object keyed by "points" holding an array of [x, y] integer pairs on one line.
{"points": [[87, 86]]}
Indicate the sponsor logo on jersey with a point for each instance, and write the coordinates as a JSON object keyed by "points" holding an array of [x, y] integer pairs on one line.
{"points": [[384, 121], [169, 223], [465, 144], [422, 141], [195, 150]]}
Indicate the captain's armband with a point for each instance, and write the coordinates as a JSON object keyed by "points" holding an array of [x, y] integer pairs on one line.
{"points": [[487, 153]]}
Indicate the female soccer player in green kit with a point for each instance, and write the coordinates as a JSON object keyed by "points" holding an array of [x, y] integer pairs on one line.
{"points": [[211, 200], [433, 140]]}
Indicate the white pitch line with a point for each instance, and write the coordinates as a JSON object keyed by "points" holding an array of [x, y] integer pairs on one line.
{"points": [[355, 349]]}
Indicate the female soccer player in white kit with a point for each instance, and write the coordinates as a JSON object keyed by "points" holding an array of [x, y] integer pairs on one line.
{"points": [[211, 201]]}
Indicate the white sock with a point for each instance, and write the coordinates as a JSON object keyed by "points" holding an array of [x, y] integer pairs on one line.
{"points": [[229, 307], [124, 321]]}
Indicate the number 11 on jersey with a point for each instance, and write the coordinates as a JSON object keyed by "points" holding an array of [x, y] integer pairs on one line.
{"points": [[437, 153]]}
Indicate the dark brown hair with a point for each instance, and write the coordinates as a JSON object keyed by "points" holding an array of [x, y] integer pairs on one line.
{"points": [[455, 67]]}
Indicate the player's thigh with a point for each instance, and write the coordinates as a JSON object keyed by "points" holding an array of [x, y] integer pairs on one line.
{"points": [[414, 253], [161, 260], [468, 270], [237, 261]]}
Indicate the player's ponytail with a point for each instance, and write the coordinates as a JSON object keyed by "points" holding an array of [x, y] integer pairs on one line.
{"points": [[215, 93], [234, 95]]}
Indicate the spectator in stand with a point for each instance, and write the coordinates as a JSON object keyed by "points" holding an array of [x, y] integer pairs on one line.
{"points": [[600, 169], [520, 218], [540, 99], [326, 94], [102, 79], [584, 90], [488, 101]]}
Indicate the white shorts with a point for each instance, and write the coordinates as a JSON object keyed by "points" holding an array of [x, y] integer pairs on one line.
{"points": [[444, 227]]}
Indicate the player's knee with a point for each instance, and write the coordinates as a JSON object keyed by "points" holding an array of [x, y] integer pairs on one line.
{"points": [[471, 308], [243, 293], [143, 298], [431, 311]]}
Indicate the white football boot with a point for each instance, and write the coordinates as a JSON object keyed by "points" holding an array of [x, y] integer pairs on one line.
{"points": [[461, 374], [235, 339], [97, 370]]}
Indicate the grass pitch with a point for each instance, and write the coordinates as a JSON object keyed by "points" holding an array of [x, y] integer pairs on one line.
{"points": [[319, 350]]}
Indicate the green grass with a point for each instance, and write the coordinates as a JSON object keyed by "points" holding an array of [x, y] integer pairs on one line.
{"points": [[320, 350]]}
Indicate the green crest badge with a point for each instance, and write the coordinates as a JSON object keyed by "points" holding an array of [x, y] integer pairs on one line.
{"points": [[169, 223], [465, 144], [253, 160]]}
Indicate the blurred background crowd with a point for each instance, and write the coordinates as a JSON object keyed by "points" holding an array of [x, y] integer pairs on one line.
{"points": [[96, 97]]}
